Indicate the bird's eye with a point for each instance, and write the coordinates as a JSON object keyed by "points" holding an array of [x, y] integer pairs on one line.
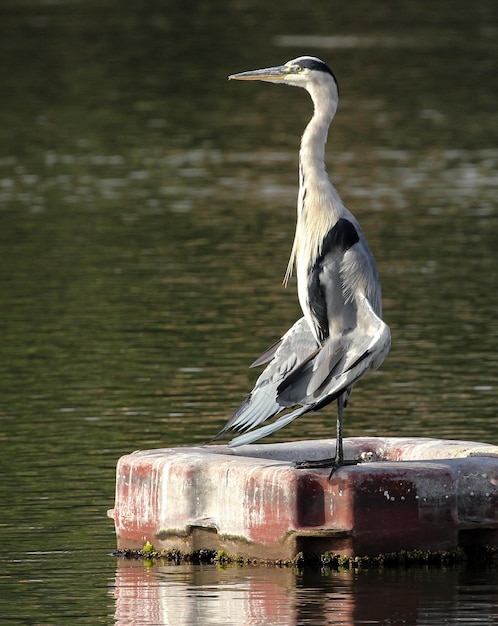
{"points": [[299, 68]]}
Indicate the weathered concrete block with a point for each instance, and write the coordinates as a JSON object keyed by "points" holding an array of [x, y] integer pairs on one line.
{"points": [[422, 494]]}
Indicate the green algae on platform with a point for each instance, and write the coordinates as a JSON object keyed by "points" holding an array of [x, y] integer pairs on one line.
{"points": [[327, 560]]}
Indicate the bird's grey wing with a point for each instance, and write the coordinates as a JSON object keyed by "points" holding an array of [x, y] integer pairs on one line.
{"points": [[359, 271], [267, 355], [340, 363], [303, 384], [318, 362], [297, 345], [346, 359]]}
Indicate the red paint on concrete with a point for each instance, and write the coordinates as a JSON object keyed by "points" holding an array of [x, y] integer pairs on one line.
{"points": [[423, 494]]}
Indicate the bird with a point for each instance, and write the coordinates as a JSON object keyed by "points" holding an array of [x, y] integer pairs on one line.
{"points": [[341, 335]]}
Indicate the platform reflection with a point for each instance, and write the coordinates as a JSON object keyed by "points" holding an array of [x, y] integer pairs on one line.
{"points": [[190, 594]]}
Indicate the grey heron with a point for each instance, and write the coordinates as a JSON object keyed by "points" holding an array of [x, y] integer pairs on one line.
{"points": [[341, 335]]}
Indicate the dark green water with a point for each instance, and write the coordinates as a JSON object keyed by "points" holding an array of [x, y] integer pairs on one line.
{"points": [[146, 218]]}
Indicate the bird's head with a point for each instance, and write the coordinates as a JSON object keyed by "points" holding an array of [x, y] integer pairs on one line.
{"points": [[305, 71]]}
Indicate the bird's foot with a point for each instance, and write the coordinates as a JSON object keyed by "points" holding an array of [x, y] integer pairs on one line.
{"points": [[333, 463]]}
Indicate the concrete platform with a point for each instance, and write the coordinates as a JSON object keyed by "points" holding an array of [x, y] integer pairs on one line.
{"points": [[407, 494]]}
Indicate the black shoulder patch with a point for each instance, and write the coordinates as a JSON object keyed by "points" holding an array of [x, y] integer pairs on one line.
{"points": [[342, 235], [317, 302]]}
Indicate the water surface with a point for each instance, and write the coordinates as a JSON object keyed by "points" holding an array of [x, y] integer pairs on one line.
{"points": [[146, 218]]}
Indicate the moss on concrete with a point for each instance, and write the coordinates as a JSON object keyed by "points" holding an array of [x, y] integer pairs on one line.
{"points": [[403, 558]]}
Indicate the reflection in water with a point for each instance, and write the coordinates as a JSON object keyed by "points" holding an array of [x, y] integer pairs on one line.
{"points": [[188, 595], [193, 595]]}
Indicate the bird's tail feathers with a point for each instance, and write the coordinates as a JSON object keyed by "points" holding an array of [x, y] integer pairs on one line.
{"points": [[264, 431]]}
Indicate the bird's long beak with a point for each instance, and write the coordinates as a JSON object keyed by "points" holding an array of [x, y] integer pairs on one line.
{"points": [[269, 74]]}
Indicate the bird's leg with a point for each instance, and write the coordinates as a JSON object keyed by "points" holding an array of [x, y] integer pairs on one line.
{"points": [[339, 450], [338, 460]]}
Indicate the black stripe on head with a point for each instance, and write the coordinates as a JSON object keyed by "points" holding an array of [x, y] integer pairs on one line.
{"points": [[312, 63]]}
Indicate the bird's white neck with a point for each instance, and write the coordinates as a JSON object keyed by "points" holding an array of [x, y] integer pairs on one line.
{"points": [[318, 202], [312, 152]]}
